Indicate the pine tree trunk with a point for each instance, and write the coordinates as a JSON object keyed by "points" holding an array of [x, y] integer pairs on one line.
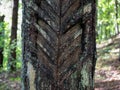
{"points": [[58, 44], [1, 39], [12, 57]]}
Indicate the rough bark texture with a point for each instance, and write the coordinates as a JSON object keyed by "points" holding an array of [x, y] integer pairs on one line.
{"points": [[12, 57], [1, 39], [58, 44]]}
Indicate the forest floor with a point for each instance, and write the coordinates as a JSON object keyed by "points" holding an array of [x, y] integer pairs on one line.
{"points": [[10, 81], [107, 74]]}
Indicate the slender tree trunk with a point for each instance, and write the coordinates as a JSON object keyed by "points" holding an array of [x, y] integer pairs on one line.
{"points": [[116, 23], [12, 58], [116, 17], [1, 39], [58, 44]]}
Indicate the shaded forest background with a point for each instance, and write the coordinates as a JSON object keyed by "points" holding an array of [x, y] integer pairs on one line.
{"points": [[107, 38]]}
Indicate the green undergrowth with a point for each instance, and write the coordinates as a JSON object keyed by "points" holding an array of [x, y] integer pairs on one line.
{"points": [[15, 79], [4, 86]]}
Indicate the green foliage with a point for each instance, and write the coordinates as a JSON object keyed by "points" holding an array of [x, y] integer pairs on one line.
{"points": [[2, 27], [15, 79], [5, 27], [106, 21], [5, 42]]}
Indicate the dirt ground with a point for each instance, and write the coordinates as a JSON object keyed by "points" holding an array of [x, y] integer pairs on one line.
{"points": [[107, 74]]}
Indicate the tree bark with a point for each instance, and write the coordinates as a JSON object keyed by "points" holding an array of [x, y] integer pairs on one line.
{"points": [[12, 57], [58, 44], [1, 39]]}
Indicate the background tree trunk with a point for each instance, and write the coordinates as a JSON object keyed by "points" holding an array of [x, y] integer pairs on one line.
{"points": [[116, 17], [58, 44], [1, 39], [12, 57]]}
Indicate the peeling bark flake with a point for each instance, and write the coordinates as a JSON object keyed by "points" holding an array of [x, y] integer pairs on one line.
{"points": [[31, 75]]}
